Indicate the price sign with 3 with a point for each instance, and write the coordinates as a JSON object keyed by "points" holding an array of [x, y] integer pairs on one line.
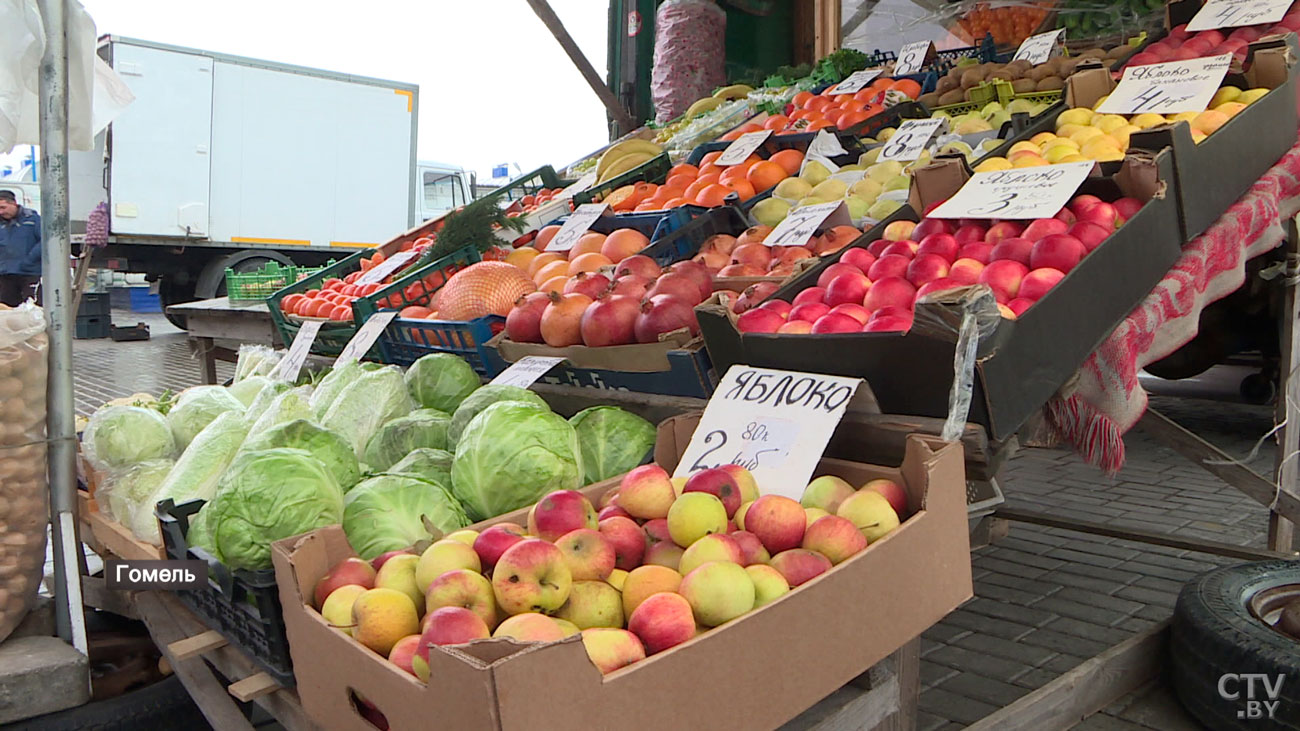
{"points": [[1233, 13], [576, 225], [911, 58], [910, 140], [1167, 88], [1016, 194], [1038, 49], [742, 147]]}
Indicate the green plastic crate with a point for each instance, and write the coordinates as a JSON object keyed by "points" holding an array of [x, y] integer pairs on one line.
{"points": [[655, 170], [243, 288]]}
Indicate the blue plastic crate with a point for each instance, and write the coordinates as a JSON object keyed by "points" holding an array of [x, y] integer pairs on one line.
{"points": [[142, 300], [405, 341]]}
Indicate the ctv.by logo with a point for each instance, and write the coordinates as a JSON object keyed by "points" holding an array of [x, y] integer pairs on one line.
{"points": [[1258, 705]]}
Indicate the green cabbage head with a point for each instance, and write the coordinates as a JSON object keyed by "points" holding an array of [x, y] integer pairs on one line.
{"points": [[427, 464], [327, 446], [196, 408], [199, 470], [613, 441], [118, 437], [441, 381], [422, 428], [289, 405], [511, 455], [365, 404], [129, 497], [483, 398], [387, 512], [247, 389], [266, 496]]}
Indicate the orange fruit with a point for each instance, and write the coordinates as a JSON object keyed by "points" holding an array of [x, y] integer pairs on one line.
{"points": [[544, 236], [588, 263], [789, 160], [801, 98], [542, 260], [553, 269], [768, 173], [590, 243], [817, 104], [742, 187], [712, 196], [679, 181], [684, 168], [908, 87], [693, 190], [649, 206], [708, 169], [819, 124], [799, 114], [554, 284], [833, 115], [711, 177], [675, 202], [841, 98], [776, 121], [852, 119], [732, 135], [864, 96], [748, 127], [710, 157], [736, 171]]}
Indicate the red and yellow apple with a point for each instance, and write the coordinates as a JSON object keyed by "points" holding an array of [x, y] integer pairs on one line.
{"points": [[531, 576]]}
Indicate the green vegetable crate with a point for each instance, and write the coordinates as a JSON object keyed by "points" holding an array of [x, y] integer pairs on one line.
{"points": [[244, 606], [654, 170], [246, 288], [414, 287]]}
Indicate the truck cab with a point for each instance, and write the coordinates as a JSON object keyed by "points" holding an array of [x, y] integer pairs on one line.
{"points": [[441, 187]]}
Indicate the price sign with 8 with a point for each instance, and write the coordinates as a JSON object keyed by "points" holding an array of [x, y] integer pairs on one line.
{"points": [[1234, 13], [911, 58], [910, 140]]}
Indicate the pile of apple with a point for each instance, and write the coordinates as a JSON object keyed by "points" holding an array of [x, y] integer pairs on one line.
{"points": [[746, 255], [663, 560], [1181, 45], [875, 289]]}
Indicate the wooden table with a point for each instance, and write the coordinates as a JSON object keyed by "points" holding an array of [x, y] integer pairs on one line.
{"points": [[217, 329]]}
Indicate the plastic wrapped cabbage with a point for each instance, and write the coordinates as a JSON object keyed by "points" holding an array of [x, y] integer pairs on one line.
{"points": [[327, 446], [264, 398], [118, 437], [247, 389], [199, 536], [266, 496], [200, 467], [288, 406], [422, 428], [255, 360], [476, 402], [196, 408], [128, 491], [427, 464], [511, 455], [371, 400], [441, 381], [329, 388], [388, 512], [613, 441]]}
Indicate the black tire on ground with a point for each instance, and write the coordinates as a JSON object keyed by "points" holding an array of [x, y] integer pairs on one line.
{"points": [[173, 293], [163, 706], [1214, 634]]}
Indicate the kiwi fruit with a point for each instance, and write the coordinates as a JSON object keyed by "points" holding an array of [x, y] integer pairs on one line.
{"points": [[1051, 83], [956, 96], [971, 78], [1024, 86], [1038, 73], [1069, 66], [947, 84], [1021, 67], [1093, 53], [1002, 74], [955, 73], [930, 100]]}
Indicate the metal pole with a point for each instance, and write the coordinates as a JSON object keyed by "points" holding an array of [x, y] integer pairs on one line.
{"points": [[56, 287]]}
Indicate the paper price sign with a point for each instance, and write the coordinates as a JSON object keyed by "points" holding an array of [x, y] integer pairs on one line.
{"points": [[1016, 194], [577, 224], [1231, 13], [365, 337], [911, 58], [582, 184], [1037, 49], [825, 144], [525, 371], [857, 81], [800, 224], [291, 364], [910, 140], [742, 147], [773, 423], [1167, 88], [387, 267]]}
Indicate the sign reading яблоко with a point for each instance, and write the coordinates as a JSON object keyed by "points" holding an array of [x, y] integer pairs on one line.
{"points": [[1036, 192], [1167, 88], [776, 424]]}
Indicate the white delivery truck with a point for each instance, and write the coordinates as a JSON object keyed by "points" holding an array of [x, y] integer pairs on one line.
{"points": [[223, 161]]}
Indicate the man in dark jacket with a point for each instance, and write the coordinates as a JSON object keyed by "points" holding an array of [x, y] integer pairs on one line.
{"points": [[20, 250]]}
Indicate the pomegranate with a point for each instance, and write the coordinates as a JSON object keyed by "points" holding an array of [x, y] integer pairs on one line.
{"points": [[712, 260], [677, 285], [721, 243], [753, 295], [630, 285], [524, 323], [756, 255], [695, 270], [664, 314], [741, 270], [591, 284], [561, 324], [610, 320], [788, 255], [640, 265], [754, 235]]}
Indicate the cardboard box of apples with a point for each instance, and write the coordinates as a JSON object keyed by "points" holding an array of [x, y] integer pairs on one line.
{"points": [[1061, 285], [626, 620]]}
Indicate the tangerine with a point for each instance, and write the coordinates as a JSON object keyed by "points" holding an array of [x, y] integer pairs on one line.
{"points": [[768, 173], [684, 168], [712, 196], [776, 121], [789, 160], [676, 202], [542, 260], [710, 169], [736, 171], [801, 99], [589, 263], [818, 103], [742, 187], [680, 180], [710, 157], [908, 87]]}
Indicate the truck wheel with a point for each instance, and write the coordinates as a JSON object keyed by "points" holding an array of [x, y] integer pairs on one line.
{"points": [[171, 293], [1216, 639]]}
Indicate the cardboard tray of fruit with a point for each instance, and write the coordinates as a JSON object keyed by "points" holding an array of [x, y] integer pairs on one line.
{"points": [[826, 631], [1023, 361]]}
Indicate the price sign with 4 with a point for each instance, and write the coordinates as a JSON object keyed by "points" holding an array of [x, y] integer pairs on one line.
{"points": [[857, 81], [1038, 49], [774, 423], [742, 147], [577, 224], [1016, 194], [1167, 88], [911, 139], [911, 58], [1233, 13]]}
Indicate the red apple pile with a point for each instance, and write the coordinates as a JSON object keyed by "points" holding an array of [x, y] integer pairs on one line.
{"points": [[747, 256], [875, 289], [663, 557], [632, 302], [1181, 45]]}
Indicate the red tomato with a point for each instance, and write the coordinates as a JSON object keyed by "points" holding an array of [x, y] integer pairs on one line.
{"points": [[368, 289], [352, 277], [366, 264], [349, 289], [377, 259], [332, 283], [413, 293], [290, 302], [311, 294], [342, 313]]}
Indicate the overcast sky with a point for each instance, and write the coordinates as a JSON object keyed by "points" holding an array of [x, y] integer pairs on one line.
{"points": [[495, 86]]}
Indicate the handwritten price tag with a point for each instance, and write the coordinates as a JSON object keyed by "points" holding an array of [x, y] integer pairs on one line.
{"points": [[826, 144], [291, 364], [857, 81], [742, 147], [1016, 194], [911, 58], [1037, 49], [365, 337], [774, 423], [576, 225], [1232, 13], [1168, 88], [378, 274], [910, 140], [525, 371], [800, 224], [582, 184]]}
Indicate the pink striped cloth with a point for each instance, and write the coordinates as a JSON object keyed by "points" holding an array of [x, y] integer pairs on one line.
{"points": [[1108, 399]]}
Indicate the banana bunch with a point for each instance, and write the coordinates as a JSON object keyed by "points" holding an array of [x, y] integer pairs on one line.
{"points": [[624, 156], [720, 97], [735, 91]]}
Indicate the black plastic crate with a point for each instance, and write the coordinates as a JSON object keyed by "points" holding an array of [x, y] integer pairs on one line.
{"points": [[138, 331], [95, 303], [244, 606], [685, 242], [90, 327]]}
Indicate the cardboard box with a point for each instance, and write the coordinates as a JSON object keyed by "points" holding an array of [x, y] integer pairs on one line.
{"points": [[786, 656], [1023, 362], [1221, 169]]}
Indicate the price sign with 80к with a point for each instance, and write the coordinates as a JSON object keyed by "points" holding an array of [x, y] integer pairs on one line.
{"points": [[576, 225], [1167, 88], [1233, 13], [1017, 194], [910, 140], [911, 58], [774, 423], [1038, 49]]}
